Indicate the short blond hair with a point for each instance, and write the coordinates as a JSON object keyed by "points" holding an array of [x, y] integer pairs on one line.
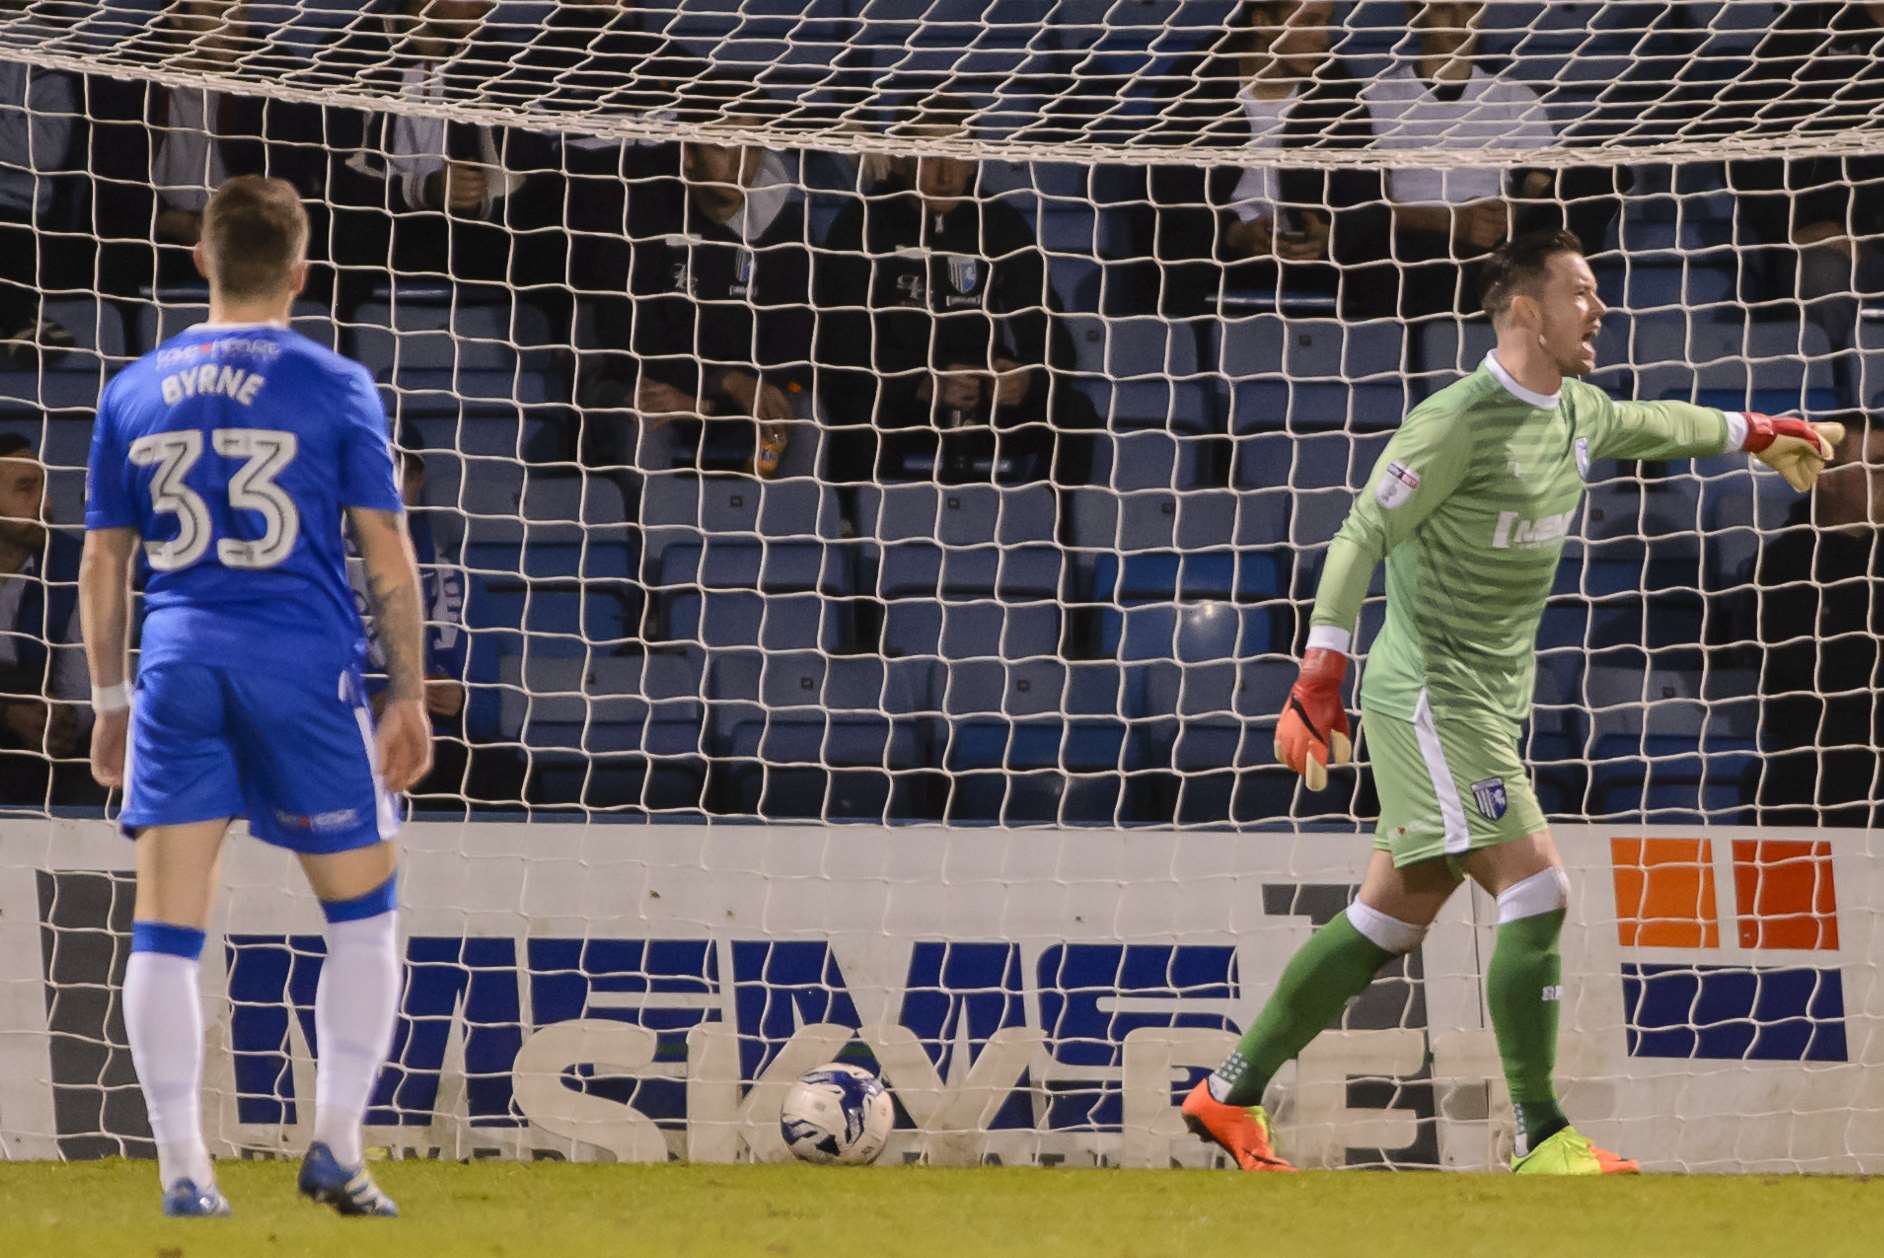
{"points": [[254, 230]]}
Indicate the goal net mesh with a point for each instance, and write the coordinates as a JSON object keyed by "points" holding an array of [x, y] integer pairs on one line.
{"points": [[935, 412]]}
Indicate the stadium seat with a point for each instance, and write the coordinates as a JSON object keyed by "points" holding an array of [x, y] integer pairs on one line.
{"points": [[1197, 519], [958, 515], [1141, 372], [1660, 754], [1174, 606], [1037, 771], [971, 602], [590, 740]]}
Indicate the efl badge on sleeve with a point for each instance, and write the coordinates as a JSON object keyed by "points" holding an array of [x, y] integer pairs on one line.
{"points": [[1489, 795], [1396, 485], [1583, 457]]}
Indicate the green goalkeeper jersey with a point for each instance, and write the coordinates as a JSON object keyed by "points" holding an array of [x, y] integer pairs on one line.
{"points": [[1470, 505]]}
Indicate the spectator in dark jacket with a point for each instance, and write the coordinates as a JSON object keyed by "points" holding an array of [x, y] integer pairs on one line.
{"points": [[1272, 82], [934, 314], [44, 687], [37, 110], [422, 195], [1819, 220], [158, 152], [720, 321], [598, 56], [1818, 591]]}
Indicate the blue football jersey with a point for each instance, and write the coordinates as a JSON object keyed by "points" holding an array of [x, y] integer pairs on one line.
{"points": [[234, 450]]}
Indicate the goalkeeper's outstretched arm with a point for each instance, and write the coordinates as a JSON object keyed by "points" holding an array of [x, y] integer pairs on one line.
{"points": [[1795, 448]]}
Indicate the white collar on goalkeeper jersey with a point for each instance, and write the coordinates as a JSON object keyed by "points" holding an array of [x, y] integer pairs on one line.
{"points": [[1543, 401], [207, 326]]}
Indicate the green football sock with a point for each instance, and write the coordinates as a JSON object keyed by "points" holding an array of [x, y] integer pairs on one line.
{"points": [[1336, 964], [1524, 987]]}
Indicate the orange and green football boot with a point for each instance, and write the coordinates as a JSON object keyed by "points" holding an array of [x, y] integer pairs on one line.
{"points": [[1569, 1152], [1241, 1132]]}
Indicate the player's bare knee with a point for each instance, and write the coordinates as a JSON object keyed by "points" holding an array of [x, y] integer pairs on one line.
{"points": [[352, 873]]}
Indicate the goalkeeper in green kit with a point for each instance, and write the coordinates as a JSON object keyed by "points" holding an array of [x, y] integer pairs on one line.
{"points": [[1469, 505]]}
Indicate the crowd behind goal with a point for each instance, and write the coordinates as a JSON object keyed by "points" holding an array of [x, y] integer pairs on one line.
{"points": [[777, 482]]}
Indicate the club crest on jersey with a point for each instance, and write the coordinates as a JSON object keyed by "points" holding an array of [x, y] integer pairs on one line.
{"points": [[964, 273], [1396, 485], [1489, 795], [1583, 457]]}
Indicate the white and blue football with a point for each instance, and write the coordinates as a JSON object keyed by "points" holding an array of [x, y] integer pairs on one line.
{"points": [[837, 1113]]}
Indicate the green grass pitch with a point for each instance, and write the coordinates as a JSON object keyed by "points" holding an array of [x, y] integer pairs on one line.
{"points": [[500, 1208]]}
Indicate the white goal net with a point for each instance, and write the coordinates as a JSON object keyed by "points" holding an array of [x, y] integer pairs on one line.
{"points": [[859, 417]]}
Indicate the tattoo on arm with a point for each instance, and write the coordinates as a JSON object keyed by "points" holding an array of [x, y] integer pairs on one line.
{"points": [[392, 593], [400, 628]]}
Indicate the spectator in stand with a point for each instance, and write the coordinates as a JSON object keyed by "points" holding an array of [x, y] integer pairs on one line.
{"points": [[598, 55], [461, 692], [934, 335], [45, 691], [419, 195], [1445, 220], [1819, 220], [158, 152], [719, 321], [37, 110], [1817, 604], [1269, 81]]}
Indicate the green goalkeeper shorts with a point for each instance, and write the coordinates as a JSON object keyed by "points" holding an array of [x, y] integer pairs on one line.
{"points": [[1447, 786]]}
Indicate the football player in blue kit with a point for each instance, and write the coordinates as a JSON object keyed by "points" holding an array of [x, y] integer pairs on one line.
{"points": [[232, 456]]}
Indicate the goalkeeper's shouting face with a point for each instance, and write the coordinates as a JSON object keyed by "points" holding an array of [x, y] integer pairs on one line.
{"points": [[1539, 288]]}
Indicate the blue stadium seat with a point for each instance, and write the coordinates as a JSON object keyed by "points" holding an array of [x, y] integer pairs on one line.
{"points": [[1198, 519], [1142, 372], [73, 381], [591, 739], [1146, 459], [1171, 606], [971, 602], [1037, 771], [1660, 753], [1730, 363], [958, 515]]}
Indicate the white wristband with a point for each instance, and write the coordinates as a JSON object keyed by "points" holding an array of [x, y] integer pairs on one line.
{"points": [[111, 698], [1330, 638]]}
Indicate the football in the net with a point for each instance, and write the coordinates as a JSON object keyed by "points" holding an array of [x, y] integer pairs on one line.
{"points": [[837, 1113]]}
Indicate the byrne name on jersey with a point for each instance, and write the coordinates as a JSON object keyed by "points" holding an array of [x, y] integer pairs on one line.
{"points": [[210, 380]]}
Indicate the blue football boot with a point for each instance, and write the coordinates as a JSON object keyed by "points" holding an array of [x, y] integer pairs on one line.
{"points": [[351, 1192], [184, 1200]]}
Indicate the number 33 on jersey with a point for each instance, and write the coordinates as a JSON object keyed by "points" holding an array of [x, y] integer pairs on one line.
{"points": [[234, 452]]}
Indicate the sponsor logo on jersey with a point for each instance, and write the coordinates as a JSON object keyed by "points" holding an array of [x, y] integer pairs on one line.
{"points": [[1396, 485], [683, 279], [1489, 795], [1583, 457], [1523, 534]]}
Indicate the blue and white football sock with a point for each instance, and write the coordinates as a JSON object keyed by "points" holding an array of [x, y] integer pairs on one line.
{"points": [[355, 1006], [163, 1017]]}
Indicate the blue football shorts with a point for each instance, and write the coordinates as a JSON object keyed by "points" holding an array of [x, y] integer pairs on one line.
{"points": [[293, 756]]}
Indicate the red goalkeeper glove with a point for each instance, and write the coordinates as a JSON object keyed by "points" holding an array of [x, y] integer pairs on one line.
{"points": [[1313, 731], [1795, 448]]}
